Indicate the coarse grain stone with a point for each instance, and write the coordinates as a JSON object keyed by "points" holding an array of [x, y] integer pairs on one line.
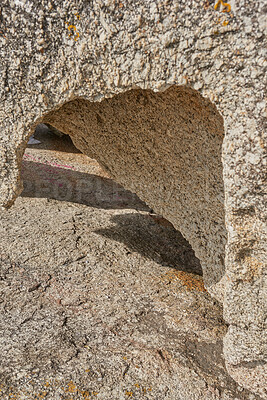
{"points": [[108, 300], [93, 69]]}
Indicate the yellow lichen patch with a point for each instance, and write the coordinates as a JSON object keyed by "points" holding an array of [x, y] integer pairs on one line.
{"points": [[71, 387], [73, 31], [226, 7], [85, 394], [189, 281], [72, 27], [129, 394]]}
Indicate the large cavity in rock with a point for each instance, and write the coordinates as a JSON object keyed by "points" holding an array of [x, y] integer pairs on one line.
{"points": [[166, 147]]}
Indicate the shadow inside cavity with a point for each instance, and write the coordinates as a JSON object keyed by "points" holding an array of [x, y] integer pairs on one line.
{"points": [[50, 141], [153, 237], [150, 235], [47, 181]]}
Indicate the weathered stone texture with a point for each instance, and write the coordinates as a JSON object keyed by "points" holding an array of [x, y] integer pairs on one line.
{"points": [[166, 147], [65, 55]]}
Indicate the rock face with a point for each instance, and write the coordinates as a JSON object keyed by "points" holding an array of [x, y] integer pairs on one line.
{"points": [[108, 300], [166, 147], [194, 152]]}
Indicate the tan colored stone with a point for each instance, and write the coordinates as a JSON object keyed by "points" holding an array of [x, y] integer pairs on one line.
{"points": [[72, 54]]}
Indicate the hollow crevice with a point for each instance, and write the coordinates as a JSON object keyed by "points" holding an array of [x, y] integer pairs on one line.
{"points": [[143, 232], [165, 147]]}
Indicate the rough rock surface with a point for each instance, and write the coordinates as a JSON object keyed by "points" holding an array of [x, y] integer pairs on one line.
{"points": [[176, 168], [66, 54], [66, 332]]}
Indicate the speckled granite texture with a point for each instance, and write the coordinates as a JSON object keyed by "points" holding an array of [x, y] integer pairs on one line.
{"points": [[59, 57]]}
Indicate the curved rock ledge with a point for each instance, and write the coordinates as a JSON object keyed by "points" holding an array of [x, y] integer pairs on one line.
{"points": [[195, 152]]}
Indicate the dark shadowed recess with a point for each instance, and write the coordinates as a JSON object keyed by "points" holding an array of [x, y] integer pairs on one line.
{"points": [[153, 237], [149, 234]]}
